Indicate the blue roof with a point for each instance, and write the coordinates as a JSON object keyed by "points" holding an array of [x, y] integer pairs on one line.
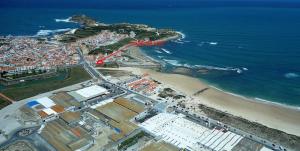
{"points": [[32, 103], [117, 130]]}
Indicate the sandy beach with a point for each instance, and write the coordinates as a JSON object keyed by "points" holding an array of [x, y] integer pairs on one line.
{"points": [[271, 115]]}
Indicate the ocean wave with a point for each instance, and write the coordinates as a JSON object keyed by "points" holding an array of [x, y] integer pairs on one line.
{"points": [[238, 70], [157, 51], [181, 34], [187, 65], [178, 41], [173, 62], [246, 69], [276, 103], [227, 92], [179, 64], [217, 88], [260, 99], [181, 39], [66, 20], [50, 32], [212, 43], [291, 75], [166, 51]]}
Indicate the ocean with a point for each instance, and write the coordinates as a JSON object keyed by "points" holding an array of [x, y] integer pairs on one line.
{"points": [[262, 42]]}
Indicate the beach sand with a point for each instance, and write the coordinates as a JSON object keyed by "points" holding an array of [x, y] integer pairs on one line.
{"points": [[271, 115]]}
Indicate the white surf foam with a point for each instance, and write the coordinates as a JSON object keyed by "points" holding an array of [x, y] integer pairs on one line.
{"points": [[246, 69], [181, 39], [66, 20], [173, 62], [178, 41], [178, 64], [213, 43], [166, 51], [188, 65], [238, 70], [49, 32], [217, 88], [260, 99], [181, 34], [73, 31], [234, 94], [291, 75], [276, 103], [157, 51]]}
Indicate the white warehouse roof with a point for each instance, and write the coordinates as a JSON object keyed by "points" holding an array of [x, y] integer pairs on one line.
{"points": [[102, 103], [91, 91], [183, 133], [49, 111], [46, 102]]}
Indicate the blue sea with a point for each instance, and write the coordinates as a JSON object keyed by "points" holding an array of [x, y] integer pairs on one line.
{"points": [[264, 42]]}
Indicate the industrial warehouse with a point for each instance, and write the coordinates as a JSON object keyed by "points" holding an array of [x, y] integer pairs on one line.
{"points": [[123, 103], [90, 116]]}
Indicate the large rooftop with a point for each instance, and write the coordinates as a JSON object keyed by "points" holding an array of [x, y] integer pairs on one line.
{"points": [[183, 133], [88, 92], [91, 91]]}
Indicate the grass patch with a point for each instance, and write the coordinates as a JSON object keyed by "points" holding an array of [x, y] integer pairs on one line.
{"points": [[141, 34], [131, 141], [110, 48], [3, 103], [28, 89], [23, 75]]}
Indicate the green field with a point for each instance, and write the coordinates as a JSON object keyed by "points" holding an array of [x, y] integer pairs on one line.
{"points": [[28, 89], [3, 103], [110, 48]]}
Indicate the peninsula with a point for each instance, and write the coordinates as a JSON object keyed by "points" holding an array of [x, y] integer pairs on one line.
{"points": [[94, 88]]}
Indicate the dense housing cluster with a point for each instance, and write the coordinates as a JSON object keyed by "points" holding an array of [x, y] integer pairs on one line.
{"points": [[21, 54], [103, 38], [120, 110]]}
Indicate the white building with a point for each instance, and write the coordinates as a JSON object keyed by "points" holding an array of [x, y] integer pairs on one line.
{"points": [[183, 133]]}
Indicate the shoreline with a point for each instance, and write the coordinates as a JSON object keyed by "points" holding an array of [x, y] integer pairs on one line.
{"points": [[249, 98], [254, 99], [280, 117]]}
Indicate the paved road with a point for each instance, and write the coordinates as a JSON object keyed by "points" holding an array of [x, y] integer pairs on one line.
{"points": [[7, 98], [96, 74]]}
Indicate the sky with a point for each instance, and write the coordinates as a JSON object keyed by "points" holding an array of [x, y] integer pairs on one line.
{"points": [[144, 3]]}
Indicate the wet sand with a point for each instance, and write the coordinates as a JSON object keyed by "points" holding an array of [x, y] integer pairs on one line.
{"points": [[271, 115]]}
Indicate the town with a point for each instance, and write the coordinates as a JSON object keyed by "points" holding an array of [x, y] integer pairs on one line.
{"points": [[116, 108]]}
